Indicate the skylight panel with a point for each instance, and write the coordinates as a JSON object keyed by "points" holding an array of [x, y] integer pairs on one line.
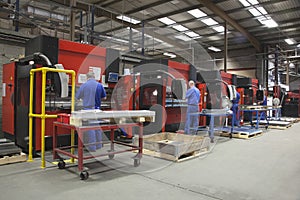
{"points": [[166, 20], [183, 37], [269, 22], [180, 28], [245, 3], [197, 13], [258, 11], [219, 29], [209, 21], [192, 34]]}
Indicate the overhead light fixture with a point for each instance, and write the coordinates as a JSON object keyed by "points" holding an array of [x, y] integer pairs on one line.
{"points": [[298, 46], [170, 55], [209, 21], [192, 34], [166, 20], [197, 13], [289, 41], [128, 19], [214, 49], [219, 29], [180, 28], [183, 37]]}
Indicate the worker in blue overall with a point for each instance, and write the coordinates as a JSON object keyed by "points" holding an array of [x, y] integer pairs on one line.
{"points": [[235, 109], [91, 93], [263, 103], [193, 99]]}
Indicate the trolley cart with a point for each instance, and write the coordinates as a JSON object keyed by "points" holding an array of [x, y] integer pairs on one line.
{"points": [[212, 114], [81, 157]]}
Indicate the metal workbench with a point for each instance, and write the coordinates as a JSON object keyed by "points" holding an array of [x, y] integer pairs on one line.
{"points": [[212, 114], [80, 147]]}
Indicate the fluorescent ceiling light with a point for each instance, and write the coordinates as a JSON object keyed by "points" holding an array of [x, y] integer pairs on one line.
{"points": [[197, 13], [298, 45], [128, 19], [170, 55], [289, 41], [180, 28], [209, 21], [166, 20], [269, 22], [182, 37], [214, 49], [258, 11], [219, 29], [192, 34]]}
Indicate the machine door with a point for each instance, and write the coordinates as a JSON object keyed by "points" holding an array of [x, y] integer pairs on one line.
{"points": [[22, 106], [8, 86], [152, 97]]}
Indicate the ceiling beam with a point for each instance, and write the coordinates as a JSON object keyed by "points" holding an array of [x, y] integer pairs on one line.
{"points": [[233, 23]]}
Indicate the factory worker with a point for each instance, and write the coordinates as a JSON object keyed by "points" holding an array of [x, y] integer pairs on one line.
{"points": [[91, 93], [193, 99], [263, 103], [235, 109]]}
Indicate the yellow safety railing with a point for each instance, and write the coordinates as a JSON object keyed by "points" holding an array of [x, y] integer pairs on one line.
{"points": [[43, 114]]}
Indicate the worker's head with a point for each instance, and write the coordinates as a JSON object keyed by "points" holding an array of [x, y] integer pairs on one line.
{"points": [[191, 83], [90, 75]]}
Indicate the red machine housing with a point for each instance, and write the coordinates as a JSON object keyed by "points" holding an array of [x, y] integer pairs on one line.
{"points": [[73, 56]]}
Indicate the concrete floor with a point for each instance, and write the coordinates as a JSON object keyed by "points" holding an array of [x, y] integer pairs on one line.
{"points": [[265, 167]]}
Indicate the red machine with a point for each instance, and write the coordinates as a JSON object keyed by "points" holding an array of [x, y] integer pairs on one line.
{"points": [[157, 85], [46, 51]]}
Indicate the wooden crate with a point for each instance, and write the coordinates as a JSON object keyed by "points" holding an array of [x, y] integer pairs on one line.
{"points": [[174, 146]]}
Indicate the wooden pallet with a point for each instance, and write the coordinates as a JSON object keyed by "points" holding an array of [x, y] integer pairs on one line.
{"points": [[13, 158], [280, 127], [173, 158], [241, 135]]}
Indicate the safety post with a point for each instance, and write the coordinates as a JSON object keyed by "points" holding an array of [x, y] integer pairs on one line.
{"points": [[43, 114]]}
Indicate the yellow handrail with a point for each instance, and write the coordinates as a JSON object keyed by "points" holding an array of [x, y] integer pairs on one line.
{"points": [[43, 114]]}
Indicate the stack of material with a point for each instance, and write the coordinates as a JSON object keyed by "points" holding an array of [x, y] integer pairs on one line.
{"points": [[10, 153]]}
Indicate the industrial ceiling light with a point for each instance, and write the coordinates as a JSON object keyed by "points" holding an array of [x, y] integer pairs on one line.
{"points": [[166, 20], [128, 19], [212, 48], [171, 55], [197, 13], [289, 41]]}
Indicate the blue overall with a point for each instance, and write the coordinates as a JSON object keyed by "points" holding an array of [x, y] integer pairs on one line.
{"points": [[235, 109], [192, 122], [91, 93], [264, 103]]}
